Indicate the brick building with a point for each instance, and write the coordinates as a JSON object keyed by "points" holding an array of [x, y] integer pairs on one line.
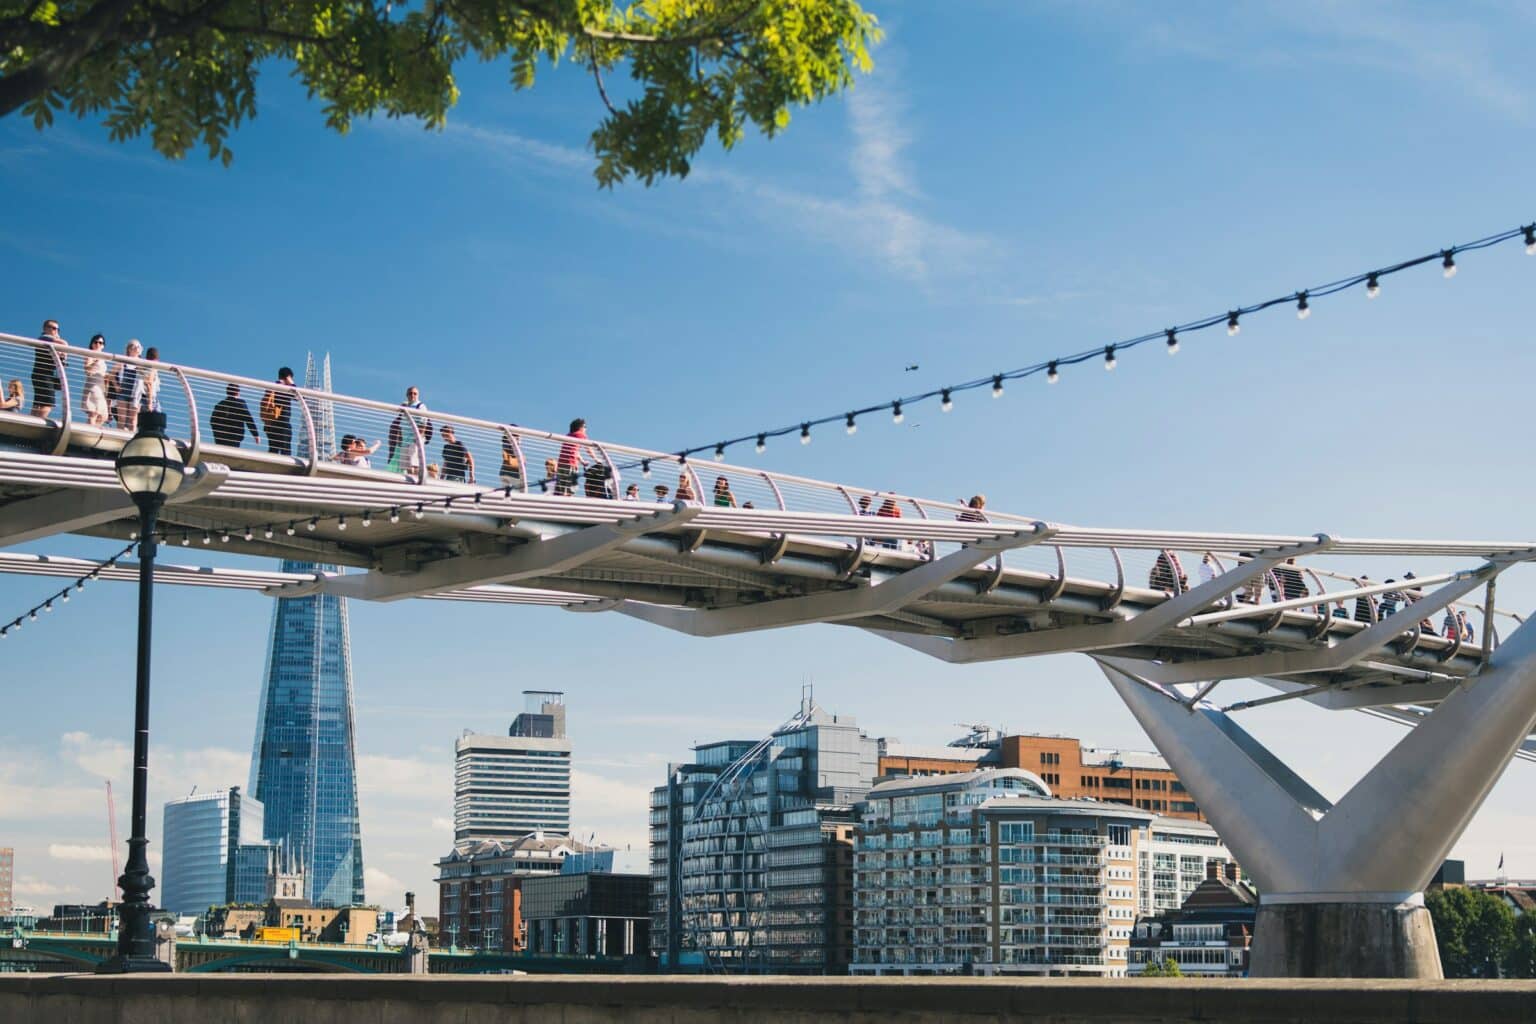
{"points": [[1134, 778], [480, 899]]}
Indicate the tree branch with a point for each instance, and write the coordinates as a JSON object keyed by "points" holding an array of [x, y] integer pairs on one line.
{"points": [[20, 87], [597, 76]]}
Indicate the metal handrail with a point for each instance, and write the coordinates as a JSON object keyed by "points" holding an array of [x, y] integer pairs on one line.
{"points": [[622, 456], [195, 445], [66, 420]]}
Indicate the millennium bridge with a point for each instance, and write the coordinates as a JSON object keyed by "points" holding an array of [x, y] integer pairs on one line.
{"points": [[709, 549]]}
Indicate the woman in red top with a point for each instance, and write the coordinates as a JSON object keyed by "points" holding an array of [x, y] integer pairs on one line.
{"points": [[570, 462]]}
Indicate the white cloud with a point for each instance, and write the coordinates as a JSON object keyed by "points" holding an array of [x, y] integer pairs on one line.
{"points": [[39, 891], [615, 809], [405, 778], [520, 148], [441, 824], [1447, 52], [79, 852], [879, 138], [383, 888]]}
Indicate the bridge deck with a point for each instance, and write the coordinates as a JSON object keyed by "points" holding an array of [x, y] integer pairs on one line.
{"points": [[775, 550]]}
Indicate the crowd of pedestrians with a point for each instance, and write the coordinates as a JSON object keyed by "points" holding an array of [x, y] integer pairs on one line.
{"points": [[114, 393]]}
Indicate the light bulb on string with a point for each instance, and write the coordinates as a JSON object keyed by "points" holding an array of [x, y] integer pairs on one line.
{"points": [[805, 433], [896, 414], [1303, 309], [850, 426], [420, 511], [645, 470], [997, 386], [1109, 357], [224, 537], [394, 515], [1233, 328], [1448, 264], [762, 443], [1052, 375], [48, 605], [341, 522], [133, 534], [1530, 239], [719, 451], [207, 537], [1372, 286], [946, 403], [368, 516], [289, 530], [186, 539], [32, 615], [249, 535], [266, 531], [65, 596], [1173, 341], [313, 524]]}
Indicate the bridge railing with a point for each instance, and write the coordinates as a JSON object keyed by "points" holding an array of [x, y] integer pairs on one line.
{"points": [[412, 448]]}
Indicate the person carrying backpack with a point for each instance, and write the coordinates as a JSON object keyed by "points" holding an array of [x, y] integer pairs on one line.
{"points": [[277, 413]]}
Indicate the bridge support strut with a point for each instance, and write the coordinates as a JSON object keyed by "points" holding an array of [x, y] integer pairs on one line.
{"points": [[1341, 885]]}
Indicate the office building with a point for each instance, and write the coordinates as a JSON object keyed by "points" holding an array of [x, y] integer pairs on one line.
{"points": [[480, 888], [199, 852], [986, 872], [1136, 778], [304, 765], [506, 787], [7, 878], [751, 849], [587, 913], [265, 871], [1209, 936]]}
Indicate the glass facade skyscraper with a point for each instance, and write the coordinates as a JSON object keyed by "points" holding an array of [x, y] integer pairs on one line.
{"points": [[203, 834], [304, 765], [751, 850]]}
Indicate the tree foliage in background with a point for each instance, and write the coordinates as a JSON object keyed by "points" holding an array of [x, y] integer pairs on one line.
{"points": [[1474, 929], [185, 71], [1521, 961], [1162, 969]]}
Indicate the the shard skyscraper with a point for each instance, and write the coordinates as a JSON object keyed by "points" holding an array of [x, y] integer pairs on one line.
{"points": [[304, 765]]}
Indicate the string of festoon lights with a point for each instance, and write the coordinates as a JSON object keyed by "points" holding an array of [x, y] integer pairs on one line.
{"points": [[1172, 337], [62, 596]]}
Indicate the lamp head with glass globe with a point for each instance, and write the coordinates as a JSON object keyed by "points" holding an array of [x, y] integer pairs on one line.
{"points": [[150, 466]]}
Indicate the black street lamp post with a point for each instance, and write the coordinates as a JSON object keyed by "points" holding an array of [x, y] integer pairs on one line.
{"points": [[150, 469]]}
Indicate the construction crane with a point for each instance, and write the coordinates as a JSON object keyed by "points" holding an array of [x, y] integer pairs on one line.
{"points": [[112, 890]]}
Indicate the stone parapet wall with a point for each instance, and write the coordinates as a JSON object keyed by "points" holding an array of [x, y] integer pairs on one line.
{"points": [[349, 999]]}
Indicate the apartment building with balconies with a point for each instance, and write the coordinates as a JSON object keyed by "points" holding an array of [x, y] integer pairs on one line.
{"points": [[985, 872]]}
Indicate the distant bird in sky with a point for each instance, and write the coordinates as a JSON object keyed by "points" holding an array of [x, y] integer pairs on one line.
{"points": [[911, 368]]}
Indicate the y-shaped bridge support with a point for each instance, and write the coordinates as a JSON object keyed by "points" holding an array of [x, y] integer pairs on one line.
{"points": [[1341, 885]]}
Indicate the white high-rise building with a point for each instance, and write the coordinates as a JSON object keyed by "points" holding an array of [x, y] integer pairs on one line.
{"points": [[505, 787], [201, 836]]}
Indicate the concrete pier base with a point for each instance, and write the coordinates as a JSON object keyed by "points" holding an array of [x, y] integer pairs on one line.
{"points": [[1344, 940]]}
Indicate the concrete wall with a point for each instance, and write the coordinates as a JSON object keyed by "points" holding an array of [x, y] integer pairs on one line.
{"points": [[285, 999]]}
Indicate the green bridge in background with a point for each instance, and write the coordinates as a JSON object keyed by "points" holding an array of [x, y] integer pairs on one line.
{"points": [[58, 952]]}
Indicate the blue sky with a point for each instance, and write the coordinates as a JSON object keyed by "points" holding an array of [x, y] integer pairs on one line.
{"points": [[1009, 183]]}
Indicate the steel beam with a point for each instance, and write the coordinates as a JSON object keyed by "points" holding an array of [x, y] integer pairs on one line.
{"points": [[836, 605], [532, 558], [1137, 629], [1384, 839], [1328, 658], [77, 510]]}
